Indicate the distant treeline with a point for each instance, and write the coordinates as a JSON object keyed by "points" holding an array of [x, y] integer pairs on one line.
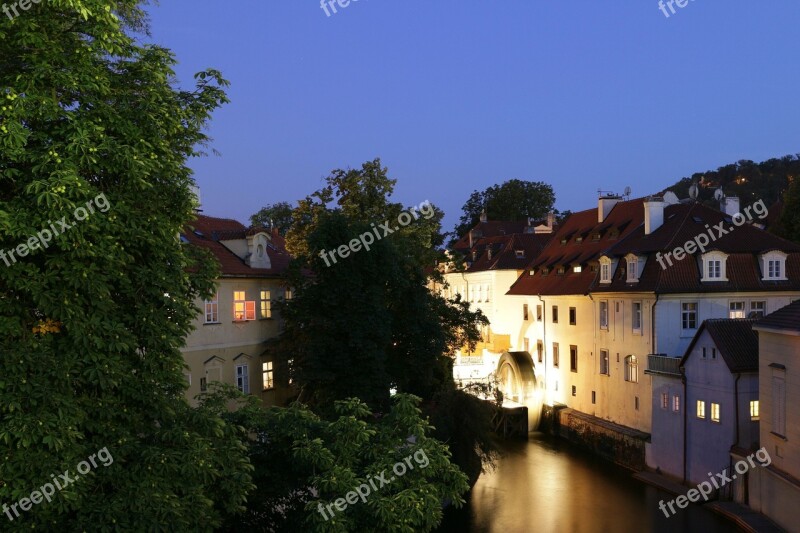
{"points": [[750, 181]]}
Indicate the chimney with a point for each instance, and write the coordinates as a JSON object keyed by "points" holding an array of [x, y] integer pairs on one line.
{"points": [[653, 215], [730, 205], [484, 217], [551, 220], [605, 204]]}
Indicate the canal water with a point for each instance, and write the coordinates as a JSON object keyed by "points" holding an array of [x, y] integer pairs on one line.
{"points": [[547, 485]]}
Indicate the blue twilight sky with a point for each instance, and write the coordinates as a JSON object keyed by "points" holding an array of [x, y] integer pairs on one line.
{"points": [[459, 95]]}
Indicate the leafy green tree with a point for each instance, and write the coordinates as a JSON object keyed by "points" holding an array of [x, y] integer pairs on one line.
{"points": [[92, 318], [277, 215], [306, 464], [512, 200], [788, 224], [367, 323]]}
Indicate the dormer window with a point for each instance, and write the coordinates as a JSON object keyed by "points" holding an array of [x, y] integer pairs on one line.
{"points": [[633, 268], [520, 254], [561, 270], [605, 270], [577, 269], [714, 266], [578, 240], [773, 266]]}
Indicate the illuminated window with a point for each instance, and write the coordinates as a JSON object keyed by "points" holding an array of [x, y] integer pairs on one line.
{"points": [[736, 310], [701, 409], [243, 309], [754, 410], [664, 400], [715, 412], [676, 403], [266, 304], [632, 369], [267, 375]]}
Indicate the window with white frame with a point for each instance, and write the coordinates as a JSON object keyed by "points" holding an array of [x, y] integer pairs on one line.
{"points": [[714, 266], [243, 309], [736, 310], [242, 378], [603, 314], [636, 317], [632, 369], [757, 309], [267, 375], [773, 266], [266, 304], [701, 409], [714, 412], [605, 270], [633, 268], [604, 367], [689, 315], [212, 310]]}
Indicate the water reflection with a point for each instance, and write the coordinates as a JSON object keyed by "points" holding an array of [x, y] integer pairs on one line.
{"points": [[546, 485]]}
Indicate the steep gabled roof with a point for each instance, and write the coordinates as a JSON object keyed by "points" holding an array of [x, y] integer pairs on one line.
{"points": [[507, 252], [736, 341], [491, 228], [207, 232]]}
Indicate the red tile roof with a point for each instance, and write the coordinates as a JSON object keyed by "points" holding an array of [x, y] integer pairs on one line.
{"points": [[491, 228], [501, 253], [622, 232], [207, 232]]}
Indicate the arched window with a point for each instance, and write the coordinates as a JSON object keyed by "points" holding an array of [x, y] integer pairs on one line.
{"points": [[632, 369]]}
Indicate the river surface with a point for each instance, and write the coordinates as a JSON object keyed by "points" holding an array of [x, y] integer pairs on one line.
{"points": [[547, 485]]}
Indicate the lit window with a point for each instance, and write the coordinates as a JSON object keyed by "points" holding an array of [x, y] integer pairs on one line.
{"points": [[267, 375], [632, 369], [636, 318], [754, 410], [736, 310], [289, 294], [701, 409], [689, 315], [757, 309], [664, 400], [212, 310], [603, 314], [266, 304], [604, 367], [242, 379], [243, 309], [676, 403], [715, 412]]}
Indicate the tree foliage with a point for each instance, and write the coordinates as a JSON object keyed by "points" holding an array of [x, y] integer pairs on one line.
{"points": [[277, 216], [788, 224], [512, 200], [304, 464], [368, 322], [92, 324]]}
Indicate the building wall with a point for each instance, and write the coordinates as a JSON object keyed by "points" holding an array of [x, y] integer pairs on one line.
{"points": [[213, 350], [666, 449]]}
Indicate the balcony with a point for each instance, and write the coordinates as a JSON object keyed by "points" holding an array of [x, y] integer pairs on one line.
{"points": [[661, 364]]}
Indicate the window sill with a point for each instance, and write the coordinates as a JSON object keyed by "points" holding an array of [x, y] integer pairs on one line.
{"points": [[242, 321], [212, 323]]}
